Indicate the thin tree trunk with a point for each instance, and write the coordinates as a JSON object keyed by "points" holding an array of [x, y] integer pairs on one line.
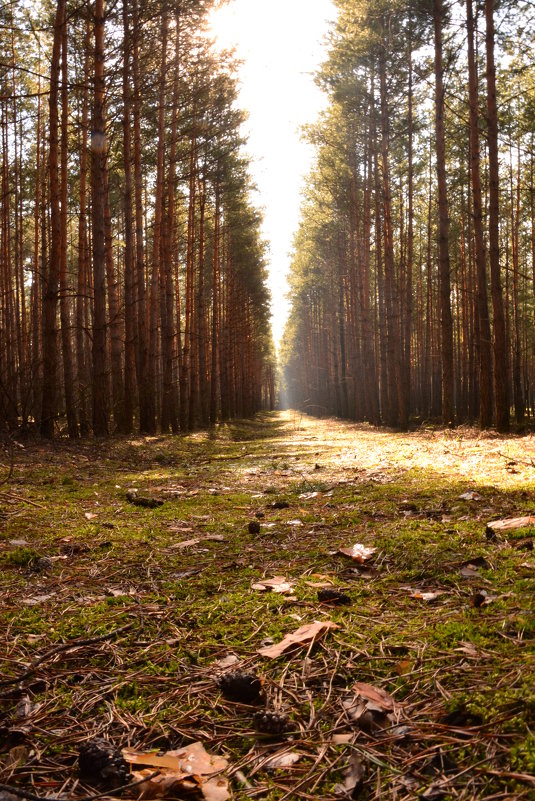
{"points": [[485, 354], [446, 324], [98, 184], [500, 337], [65, 314], [51, 286], [129, 283]]}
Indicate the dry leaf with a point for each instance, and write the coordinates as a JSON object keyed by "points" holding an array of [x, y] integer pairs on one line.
{"points": [[352, 778], [427, 596], [164, 784], [227, 661], [343, 739], [403, 667], [359, 553], [277, 584], [16, 756], [191, 759], [467, 648], [469, 571], [303, 635], [510, 524], [284, 760], [375, 697], [319, 585], [181, 771], [471, 496], [215, 789], [89, 516], [185, 544]]}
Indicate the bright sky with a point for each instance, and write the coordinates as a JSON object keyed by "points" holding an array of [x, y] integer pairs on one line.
{"points": [[280, 43]]}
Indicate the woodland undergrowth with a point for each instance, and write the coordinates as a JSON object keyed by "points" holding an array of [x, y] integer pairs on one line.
{"points": [[133, 609]]}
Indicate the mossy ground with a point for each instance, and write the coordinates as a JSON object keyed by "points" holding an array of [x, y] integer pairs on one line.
{"points": [[78, 561]]}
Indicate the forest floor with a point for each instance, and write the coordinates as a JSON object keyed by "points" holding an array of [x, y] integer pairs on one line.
{"points": [[148, 627]]}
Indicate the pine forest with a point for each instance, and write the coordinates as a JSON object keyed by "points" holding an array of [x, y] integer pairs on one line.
{"points": [[413, 274], [267, 400], [132, 282]]}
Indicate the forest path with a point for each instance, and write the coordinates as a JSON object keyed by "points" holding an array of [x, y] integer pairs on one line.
{"points": [[426, 686]]}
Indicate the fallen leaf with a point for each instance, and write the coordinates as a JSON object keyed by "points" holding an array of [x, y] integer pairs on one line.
{"points": [[303, 635], [427, 596], [285, 760], [318, 585], [276, 584], [184, 544], [343, 739], [24, 708], [37, 599], [215, 789], [164, 784], [180, 772], [193, 759], [227, 661], [376, 697], [89, 516], [467, 648], [16, 756], [353, 777], [510, 524], [359, 553], [471, 496], [469, 571]]}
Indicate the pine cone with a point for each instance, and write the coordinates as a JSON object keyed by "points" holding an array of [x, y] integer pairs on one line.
{"points": [[269, 722], [328, 595], [244, 688], [99, 763]]}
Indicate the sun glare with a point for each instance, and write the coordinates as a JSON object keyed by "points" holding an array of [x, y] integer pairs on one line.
{"points": [[280, 45]]}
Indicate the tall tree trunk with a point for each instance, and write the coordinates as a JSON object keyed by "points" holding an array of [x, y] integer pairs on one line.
{"points": [[83, 290], [391, 307], [485, 354], [446, 324], [145, 423], [114, 317], [98, 185], [51, 284], [214, 374], [155, 321], [65, 313], [500, 338], [129, 283]]}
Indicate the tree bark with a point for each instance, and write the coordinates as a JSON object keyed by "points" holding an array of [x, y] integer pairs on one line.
{"points": [[446, 325], [51, 283], [500, 338], [98, 183]]}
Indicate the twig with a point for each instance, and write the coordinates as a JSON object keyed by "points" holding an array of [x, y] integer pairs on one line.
{"points": [[9, 788], [66, 646]]}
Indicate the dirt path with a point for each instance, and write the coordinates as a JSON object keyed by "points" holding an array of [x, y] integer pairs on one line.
{"points": [[126, 618]]}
